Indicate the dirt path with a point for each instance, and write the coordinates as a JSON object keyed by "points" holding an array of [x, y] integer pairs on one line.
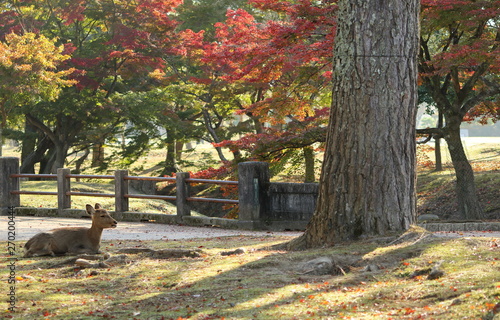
{"points": [[26, 227]]}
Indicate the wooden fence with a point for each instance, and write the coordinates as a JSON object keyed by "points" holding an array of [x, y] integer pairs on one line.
{"points": [[259, 206]]}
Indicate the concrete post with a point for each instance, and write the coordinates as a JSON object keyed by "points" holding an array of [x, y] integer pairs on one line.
{"points": [[8, 166], [121, 189], [63, 187], [183, 191], [253, 185]]}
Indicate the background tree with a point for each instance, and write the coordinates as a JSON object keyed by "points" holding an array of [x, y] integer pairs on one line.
{"points": [[367, 184], [113, 47], [28, 73], [284, 68], [459, 68]]}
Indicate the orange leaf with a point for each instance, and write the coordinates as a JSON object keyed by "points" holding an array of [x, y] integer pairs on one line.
{"points": [[490, 306]]}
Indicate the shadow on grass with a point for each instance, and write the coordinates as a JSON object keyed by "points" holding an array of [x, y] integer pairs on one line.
{"points": [[261, 284]]}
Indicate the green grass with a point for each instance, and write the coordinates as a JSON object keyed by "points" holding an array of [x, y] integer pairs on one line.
{"points": [[266, 283], [78, 202]]}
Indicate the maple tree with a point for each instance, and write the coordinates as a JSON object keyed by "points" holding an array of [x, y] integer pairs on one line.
{"points": [[284, 69], [28, 72], [113, 47], [459, 67]]}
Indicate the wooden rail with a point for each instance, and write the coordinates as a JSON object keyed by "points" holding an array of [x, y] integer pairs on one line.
{"points": [[121, 194], [262, 204]]}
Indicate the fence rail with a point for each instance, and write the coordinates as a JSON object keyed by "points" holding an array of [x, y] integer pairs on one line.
{"points": [[122, 179], [261, 204]]}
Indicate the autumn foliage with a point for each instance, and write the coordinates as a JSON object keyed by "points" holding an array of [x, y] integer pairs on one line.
{"points": [[269, 66]]}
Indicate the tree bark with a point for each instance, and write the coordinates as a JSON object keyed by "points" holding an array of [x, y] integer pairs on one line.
{"points": [[213, 134], [465, 188], [437, 144], [309, 164], [97, 154], [170, 166], [367, 184]]}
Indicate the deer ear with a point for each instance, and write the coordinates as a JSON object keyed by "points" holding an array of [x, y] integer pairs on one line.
{"points": [[98, 206], [90, 209]]}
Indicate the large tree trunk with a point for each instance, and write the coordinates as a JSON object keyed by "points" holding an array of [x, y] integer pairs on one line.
{"points": [[367, 184], [468, 202]]}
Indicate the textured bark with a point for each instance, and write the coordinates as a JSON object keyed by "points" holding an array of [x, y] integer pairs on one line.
{"points": [[97, 155], [437, 144], [465, 188], [367, 184], [309, 164]]}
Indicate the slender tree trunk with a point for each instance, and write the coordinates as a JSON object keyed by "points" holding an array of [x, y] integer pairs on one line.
{"points": [[367, 184], [1, 140], [213, 134], [37, 155], [178, 150], [170, 163], [468, 202], [47, 163], [60, 156], [309, 164], [79, 162], [29, 141], [437, 144], [97, 155]]}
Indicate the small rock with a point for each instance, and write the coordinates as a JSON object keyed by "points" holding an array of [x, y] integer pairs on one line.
{"points": [[319, 266], [427, 217], [420, 272], [436, 271], [371, 268], [455, 302], [435, 274]]}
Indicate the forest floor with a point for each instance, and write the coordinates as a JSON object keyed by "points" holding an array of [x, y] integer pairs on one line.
{"points": [[417, 275], [214, 275]]}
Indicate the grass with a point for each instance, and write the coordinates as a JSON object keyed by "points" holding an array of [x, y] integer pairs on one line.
{"points": [[267, 283], [78, 202]]}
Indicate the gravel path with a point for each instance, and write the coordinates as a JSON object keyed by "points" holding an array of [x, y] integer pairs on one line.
{"points": [[26, 227]]}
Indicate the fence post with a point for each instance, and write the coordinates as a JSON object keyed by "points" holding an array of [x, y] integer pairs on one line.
{"points": [[63, 187], [8, 166], [121, 189], [253, 184], [183, 191]]}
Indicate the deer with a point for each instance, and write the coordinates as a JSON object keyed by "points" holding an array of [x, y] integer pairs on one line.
{"points": [[72, 240]]}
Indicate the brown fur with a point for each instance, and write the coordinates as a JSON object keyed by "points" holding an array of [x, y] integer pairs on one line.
{"points": [[72, 240]]}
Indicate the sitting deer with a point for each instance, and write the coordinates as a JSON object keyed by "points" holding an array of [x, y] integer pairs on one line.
{"points": [[72, 240]]}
